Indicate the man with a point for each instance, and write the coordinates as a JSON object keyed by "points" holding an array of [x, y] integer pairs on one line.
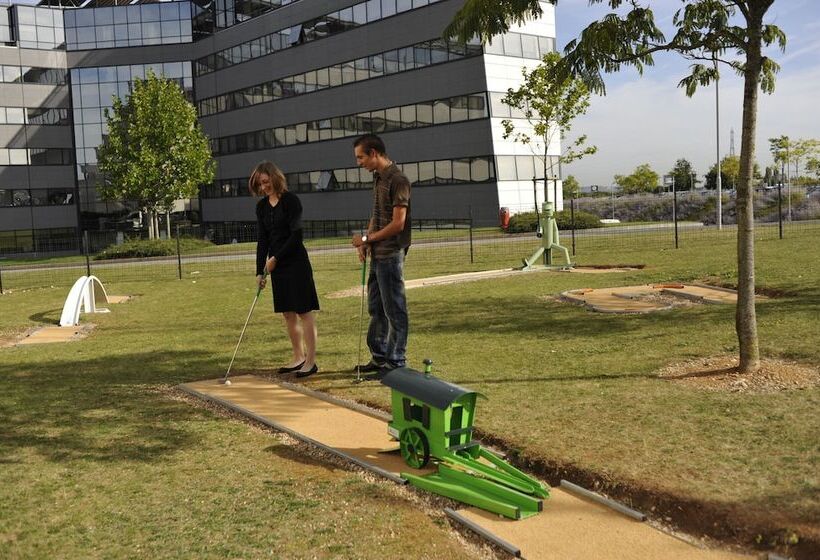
{"points": [[387, 240]]}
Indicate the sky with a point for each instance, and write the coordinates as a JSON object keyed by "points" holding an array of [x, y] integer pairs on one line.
{"points": [[649, 119]]}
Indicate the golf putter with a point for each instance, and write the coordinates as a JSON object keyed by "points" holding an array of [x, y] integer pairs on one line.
{"points": [[361, 318], [225, 380]]}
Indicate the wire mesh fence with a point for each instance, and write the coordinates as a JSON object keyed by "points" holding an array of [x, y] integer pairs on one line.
{"points": [[616, 226]]}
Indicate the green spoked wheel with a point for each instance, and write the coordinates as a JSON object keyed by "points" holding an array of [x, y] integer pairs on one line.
{"points": [[414, 447]]}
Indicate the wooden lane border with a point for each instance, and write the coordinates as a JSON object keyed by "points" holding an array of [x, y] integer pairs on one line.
{"points": [[482, 532], [279, 427], [595, 497]]}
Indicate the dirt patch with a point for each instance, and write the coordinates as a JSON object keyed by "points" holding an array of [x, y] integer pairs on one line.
{"points": [[721, 374], [46, 334]]}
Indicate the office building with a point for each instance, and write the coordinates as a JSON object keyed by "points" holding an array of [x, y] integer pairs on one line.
{"points": [[294, 82]]}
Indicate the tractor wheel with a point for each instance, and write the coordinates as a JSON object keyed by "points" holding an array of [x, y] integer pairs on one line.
{"points": [[414, 447]]}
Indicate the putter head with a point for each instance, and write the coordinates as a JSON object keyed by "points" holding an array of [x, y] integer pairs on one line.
{"points": [[224, 381]]}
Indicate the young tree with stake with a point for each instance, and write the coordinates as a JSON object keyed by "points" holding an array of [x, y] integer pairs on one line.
{"points": [[705, 31], [549, 107]]}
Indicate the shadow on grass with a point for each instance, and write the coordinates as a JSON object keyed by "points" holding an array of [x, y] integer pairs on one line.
{"points": [[50, 317], [101, 409]]}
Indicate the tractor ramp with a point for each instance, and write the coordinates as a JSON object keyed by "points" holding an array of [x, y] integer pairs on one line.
{"points": [[569, 527]]}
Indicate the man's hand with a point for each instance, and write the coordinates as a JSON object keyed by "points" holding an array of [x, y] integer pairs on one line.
{"points": [[261, 280], [357, 241], [361, 250], [270, 264]]}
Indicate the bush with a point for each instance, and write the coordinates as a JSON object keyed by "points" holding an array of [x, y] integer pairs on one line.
{"points": [[526, 222], [141, 248]]}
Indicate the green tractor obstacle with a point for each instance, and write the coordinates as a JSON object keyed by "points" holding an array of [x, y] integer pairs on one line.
{"points": [[548, 228], [433, 419]]}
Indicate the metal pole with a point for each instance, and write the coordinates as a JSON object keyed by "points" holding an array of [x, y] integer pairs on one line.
{"points": [[780, 209], [87, 249], [179, 255], [788, 179], [1, 280], [572, 220], [675, 209], [612, 193], [471, 235], [717, 144]]}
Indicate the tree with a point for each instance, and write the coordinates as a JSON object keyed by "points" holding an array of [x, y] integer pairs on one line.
{"points": [[706, 32], [813, 166], [549, 107], [643, 179], [155, 151], [571, 187], [684, 175]]}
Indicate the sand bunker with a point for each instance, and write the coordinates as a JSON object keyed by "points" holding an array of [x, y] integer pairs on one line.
{"points": [[649, 297]]}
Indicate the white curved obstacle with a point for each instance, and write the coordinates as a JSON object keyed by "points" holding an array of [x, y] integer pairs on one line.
{"points": [[82, 297]]}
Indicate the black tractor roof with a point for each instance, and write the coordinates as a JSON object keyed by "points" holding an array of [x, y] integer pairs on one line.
{"points": [[426, 388]]}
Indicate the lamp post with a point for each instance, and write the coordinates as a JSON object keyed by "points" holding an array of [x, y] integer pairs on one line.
{"points": [[670, 180]]}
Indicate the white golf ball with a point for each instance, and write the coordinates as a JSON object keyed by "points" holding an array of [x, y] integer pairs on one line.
{"points": [[227, 382]]}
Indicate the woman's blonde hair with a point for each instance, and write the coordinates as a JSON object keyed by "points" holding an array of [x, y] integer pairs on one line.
{"points": [[277, 178]]}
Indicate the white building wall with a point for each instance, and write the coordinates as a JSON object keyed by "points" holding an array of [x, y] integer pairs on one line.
{"points": [[503, 73]]}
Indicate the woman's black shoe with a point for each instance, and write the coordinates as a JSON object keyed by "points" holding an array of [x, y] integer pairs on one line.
{"points": [[290, 369], [311, 371]]}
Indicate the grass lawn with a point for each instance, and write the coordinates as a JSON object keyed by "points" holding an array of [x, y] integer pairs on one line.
{"points": [[101, 461]]}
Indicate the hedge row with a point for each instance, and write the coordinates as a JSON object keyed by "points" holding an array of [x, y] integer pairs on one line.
{"points": [[140, 248]]}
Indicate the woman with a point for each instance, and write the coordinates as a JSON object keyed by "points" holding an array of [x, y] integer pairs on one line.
{"points": [[281, 252]]}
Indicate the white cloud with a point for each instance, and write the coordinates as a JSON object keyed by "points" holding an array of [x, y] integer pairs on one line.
{"points": [[650, 120]]}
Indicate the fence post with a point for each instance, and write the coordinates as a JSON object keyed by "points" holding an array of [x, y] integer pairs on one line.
{"points": [[572, 221], [86, 250], [1, 280], [780, 209], [179, 255], [471, 234], [675, 211]]}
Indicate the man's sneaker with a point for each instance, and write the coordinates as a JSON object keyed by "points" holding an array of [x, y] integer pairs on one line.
{"points": [[372, 365], [380, 373]]}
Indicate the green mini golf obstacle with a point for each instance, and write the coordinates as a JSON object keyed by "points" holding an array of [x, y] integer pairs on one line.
{"points": [[433, 420], [550, 239]]}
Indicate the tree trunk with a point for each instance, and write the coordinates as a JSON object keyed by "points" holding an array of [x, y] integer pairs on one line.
{"points": [[745, 317], [149, 215]]}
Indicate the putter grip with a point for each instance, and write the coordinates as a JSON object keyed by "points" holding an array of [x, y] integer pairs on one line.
{"points": [[264, 275]]}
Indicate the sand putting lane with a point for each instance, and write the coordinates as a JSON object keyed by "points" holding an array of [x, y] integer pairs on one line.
{"points": [[570, 527]]}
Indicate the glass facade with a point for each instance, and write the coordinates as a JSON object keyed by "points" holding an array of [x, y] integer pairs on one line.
{"points": [[35, 156], [36, 197], [416, 115], [32, 75], [39, 28], [35, 116], [316, 28], [5, 26], [160, 23], [524, 168], [40, 240], [231, 12], [420, 173], [385, 63]]}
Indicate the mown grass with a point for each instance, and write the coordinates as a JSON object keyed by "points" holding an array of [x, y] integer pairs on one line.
{"points": [[88, 427]]}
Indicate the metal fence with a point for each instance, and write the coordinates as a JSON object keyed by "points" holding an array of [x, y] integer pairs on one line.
{"points": [[646, 222]]}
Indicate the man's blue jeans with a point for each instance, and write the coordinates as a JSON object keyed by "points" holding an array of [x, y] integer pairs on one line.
{"points": [[387, 306]]}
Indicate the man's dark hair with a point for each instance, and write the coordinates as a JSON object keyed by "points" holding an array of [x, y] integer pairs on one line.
{"points": [[370, 142]]}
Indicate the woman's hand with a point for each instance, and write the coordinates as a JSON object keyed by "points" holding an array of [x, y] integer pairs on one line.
{"points": [[270, 264], [261, 280]]}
